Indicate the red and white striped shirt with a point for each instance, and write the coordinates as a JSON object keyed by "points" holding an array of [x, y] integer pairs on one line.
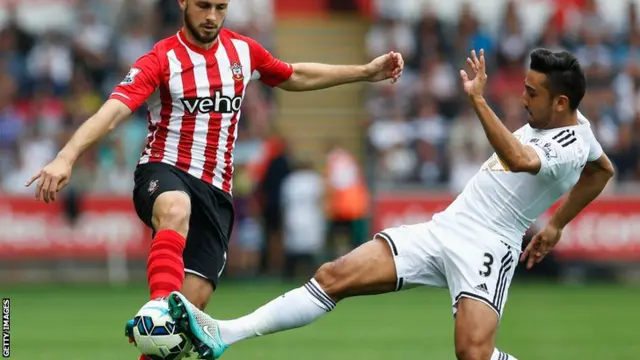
{"points": [[194, 98]]}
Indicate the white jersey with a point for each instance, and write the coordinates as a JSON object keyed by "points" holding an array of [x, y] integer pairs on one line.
{"points": [[499, 203]]}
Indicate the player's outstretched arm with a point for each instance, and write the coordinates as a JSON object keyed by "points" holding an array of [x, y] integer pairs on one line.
{"points": [[593, 180], [106, 119], [517, 157], [55, 175], [315, 76]]}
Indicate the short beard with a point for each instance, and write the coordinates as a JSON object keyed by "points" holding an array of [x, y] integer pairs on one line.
{"points": [[193, 29]]}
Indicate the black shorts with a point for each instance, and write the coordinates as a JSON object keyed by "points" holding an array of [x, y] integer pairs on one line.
{"points": [[212, 215]]}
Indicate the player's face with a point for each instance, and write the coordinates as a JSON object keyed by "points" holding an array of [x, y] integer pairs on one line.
{"points": [[537, 100], [204, 18]]}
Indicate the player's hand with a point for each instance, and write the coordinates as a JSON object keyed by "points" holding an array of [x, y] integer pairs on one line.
{"points": [[540, 245], [474, 86], [52, 178], [387, 66]]}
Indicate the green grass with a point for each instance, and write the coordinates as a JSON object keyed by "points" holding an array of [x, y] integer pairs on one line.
{"points": [[541, 322]]}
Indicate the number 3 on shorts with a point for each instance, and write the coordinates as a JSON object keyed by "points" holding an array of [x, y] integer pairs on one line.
{"points": [[486, 266]]}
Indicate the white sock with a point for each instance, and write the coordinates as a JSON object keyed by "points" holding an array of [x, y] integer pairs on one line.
{"points": [[296, 308], [499, 355]]}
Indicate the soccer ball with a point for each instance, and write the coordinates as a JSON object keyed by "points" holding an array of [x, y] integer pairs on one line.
{"points": [[156, 335]]}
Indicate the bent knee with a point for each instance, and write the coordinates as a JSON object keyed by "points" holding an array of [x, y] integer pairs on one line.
{"points": [[367, 270], [472, 345], [172, 210], [331, 278], [473, 351]]}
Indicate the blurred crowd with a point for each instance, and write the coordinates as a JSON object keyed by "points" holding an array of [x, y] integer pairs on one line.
{"points": [[424, 133]]}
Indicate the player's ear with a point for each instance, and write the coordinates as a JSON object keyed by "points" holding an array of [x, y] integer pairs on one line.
{"points": [[182, 4], [561, 103]]}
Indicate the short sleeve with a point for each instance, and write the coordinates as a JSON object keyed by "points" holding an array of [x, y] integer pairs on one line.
{"points": [[140, 83], [268, 69], [595, 149], [559, 154]]}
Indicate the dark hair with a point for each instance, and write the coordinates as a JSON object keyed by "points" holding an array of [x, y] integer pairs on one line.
{"points": [[564, 74]]}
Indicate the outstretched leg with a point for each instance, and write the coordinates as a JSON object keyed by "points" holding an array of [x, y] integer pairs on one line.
{"points": [[369, 269]]}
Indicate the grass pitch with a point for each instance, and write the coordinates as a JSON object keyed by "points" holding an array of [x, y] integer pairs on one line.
{"points": [[541, 322]]}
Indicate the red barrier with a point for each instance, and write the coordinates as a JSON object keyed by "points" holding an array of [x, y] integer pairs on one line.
{"points": [[30, 229], [607, 230]]}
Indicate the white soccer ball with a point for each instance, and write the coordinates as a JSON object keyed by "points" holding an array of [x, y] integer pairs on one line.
{"points": [[156, 335]]}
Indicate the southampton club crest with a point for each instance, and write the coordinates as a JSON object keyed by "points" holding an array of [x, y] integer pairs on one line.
{"points": [[236, 70], [153, 186]]}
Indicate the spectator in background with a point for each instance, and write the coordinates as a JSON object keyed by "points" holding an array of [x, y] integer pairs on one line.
{"points": [[22, 41], [92, 44], [508, 79], [439, 83], [624, 91], [11, 126], [467, 149], [511, 55], [51, 61], [626, 159], [386, 101], [34, 151], [245, 249], [304, 220], [466, 131], [12, 61], [429, 130], [550, 38], [136, 41], [13, 181], [389, 33], [347, 199], [631, 25], [512, 45], [594, 56], [470, 35], [430, 40], [253, 16], [270, 195], [430, 171], [113, 175], [464, 166], [391, 139], [585, 16], [82, 99]]}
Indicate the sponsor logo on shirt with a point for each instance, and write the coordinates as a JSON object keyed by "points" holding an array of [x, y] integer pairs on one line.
{"points": [[216, 103]]}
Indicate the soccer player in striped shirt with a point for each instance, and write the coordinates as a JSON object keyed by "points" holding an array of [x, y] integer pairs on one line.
{"points": [[473, 246], [194, 83]]}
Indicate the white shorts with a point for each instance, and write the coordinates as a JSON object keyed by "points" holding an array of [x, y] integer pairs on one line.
{"points": [[434, 255]]}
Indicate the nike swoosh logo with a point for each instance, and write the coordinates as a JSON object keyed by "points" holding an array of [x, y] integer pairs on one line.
{"points": [[206, 331]]}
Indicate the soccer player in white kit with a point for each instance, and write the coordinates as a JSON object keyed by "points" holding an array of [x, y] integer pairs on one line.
{"points": [[473, 246]]}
